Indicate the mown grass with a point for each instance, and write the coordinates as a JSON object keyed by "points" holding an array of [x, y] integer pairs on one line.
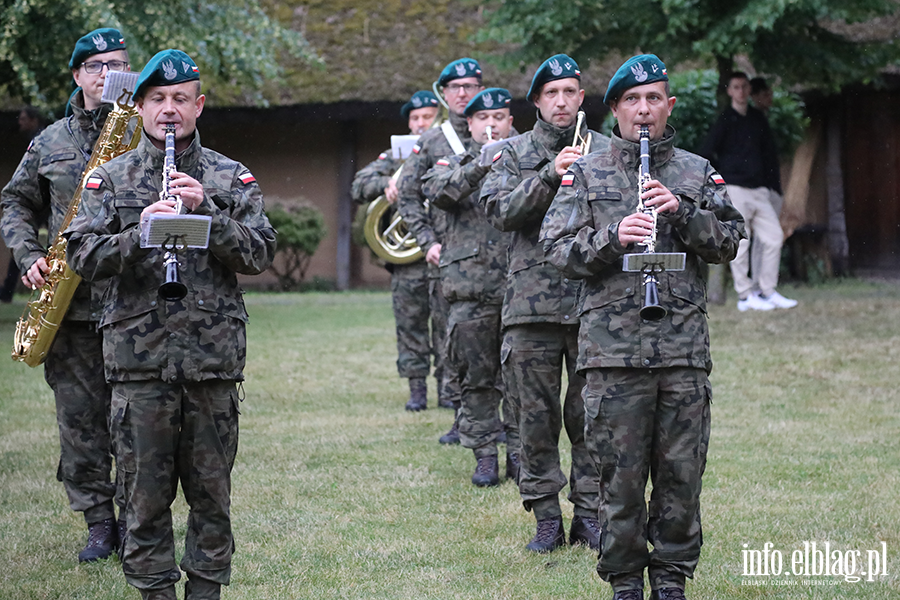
{"points": [[339, 493]]}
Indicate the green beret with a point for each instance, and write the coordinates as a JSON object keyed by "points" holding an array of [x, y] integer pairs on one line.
{"points": [[555, 67], [489, 99], [420, 99], [637, 70], [168, 67], [96, 42], [458, 69]]}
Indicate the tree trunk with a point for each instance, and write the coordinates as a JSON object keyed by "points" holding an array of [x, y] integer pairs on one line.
{"points": [[838, 244]]}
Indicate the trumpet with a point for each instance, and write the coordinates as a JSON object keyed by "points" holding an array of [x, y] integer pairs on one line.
{"points": [[583, 143], [650, 262]]}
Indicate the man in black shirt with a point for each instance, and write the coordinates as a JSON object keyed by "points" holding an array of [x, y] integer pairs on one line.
{"points": [[741, 147]]}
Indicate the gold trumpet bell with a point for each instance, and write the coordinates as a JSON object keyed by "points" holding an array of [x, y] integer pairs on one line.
{"points": [[388, 236]]}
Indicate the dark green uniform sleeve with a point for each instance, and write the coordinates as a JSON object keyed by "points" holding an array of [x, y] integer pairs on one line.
{"points": [[25, 204], [452, 179], [370, 181], [572, 241], [513, 202], [411, 202]]}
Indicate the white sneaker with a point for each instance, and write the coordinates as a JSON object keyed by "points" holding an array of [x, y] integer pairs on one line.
{"points": [[754, 302], [779, 301]]}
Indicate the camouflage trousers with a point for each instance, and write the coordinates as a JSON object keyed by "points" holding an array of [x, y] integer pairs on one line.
{"points": [[446, 375], [532, 355], [74, 370], [166, 433], [642, 423], [473, 349], [410, 298]]}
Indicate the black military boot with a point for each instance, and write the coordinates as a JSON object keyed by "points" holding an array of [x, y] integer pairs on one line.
{"points": [[629, 595], [201, 589], [550, 535], [512, 466], [102, 540], [167, 593], [418, 394], [451, 437], [670, 593], [585, 530], [486, 472]]}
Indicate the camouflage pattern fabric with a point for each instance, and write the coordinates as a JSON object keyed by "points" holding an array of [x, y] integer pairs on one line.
{"points": [[666, 411], [409, 283], [516, 194], [40, 192], [473, 349], [473, 268], [74, 370], [370, 181], [647, 394], [446, 375], [532, 356], [193, 440], [411, 302], [541, 323], [580, 237], [197, 338], [173, 362]]}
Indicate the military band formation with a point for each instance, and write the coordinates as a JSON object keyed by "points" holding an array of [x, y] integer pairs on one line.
{"points": [[520, 291]]}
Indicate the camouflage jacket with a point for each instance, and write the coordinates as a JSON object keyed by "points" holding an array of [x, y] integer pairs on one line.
{"points": [[370, 181], [41, 191], [427, 225], [516, 194], [473, 254], [202, 336], [580, 237]]}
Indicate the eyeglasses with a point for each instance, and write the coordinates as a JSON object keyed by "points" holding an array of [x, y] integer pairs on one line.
{"points": [[96, 66], [454, 88]]}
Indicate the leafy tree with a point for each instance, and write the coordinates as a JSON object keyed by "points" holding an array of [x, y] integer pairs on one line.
{"points": [[239, 49], [696, 109], [798, 39], [301, 228]]}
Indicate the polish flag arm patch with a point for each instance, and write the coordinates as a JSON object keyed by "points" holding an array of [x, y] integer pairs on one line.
{"points": [[717, 179], [568, 179], [443, 162], [497, 156], [382, 156], [247, 178], [416, 149], [94, 182]]}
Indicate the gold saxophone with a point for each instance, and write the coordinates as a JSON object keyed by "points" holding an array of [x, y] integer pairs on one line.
{"points": [[36, 329]]}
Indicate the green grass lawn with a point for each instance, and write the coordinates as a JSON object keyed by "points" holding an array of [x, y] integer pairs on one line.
{"points": [[340, 493]]}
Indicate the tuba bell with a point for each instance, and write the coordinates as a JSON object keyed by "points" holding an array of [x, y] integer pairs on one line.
{"points": [[386, 232]]}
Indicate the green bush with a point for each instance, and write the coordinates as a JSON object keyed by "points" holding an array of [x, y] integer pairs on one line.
{"points": [[696, 109], [300, 228]]}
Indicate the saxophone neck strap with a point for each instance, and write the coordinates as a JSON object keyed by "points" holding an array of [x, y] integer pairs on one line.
{"points": [[452, 137]]}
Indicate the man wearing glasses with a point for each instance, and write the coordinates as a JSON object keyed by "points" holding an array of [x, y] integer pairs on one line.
{"points": [[42, 188]]}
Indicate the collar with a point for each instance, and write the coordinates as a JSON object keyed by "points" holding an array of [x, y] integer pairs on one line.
{"points": [[461, 125], [186, 161], [552, 138], [89, 119], [629, 153]]}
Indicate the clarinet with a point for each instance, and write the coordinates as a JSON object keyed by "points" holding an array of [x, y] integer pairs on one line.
{"points": [[173, 289], [651, 310]]}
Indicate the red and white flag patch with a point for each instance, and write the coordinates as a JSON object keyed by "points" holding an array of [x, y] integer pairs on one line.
{"points": [[443, 162], [94, 182], [717, 179], [568, 179], [247, 178], [382, 156], [497, 156], [416, 149]]}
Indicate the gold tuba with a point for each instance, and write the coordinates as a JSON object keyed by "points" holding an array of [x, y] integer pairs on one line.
{"points": [[36, 329], [386, 233]]}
